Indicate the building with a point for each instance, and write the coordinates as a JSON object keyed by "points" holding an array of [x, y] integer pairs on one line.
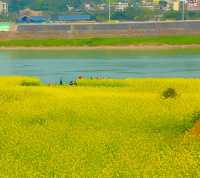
{"points": [[88, 7], [120, 6], [72, 18], [30, 12], [193, 5], [5, 27], [102, 7], [153, 5], [3, 8], [33, 19]]}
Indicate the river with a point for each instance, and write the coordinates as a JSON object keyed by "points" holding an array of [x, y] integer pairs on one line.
{"points": [[52, 65]]}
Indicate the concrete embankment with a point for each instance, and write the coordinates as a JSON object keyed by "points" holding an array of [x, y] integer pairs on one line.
{"points": [[68, 30], [122, 28]]}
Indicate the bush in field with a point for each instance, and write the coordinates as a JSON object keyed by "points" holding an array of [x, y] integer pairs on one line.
{"points": [[169, 93], [195, 116], [31, 82]]}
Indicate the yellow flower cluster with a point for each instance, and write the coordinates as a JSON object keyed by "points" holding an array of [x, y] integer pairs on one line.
{"points": [[99, 128]]}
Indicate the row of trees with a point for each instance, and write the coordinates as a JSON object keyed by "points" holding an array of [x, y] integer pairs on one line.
{"points": [[55, 5], [44, 5], [49, 5]]}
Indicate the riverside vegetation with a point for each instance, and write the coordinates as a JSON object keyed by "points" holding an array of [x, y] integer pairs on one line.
{"points": [[104, 41], [99, 128]]}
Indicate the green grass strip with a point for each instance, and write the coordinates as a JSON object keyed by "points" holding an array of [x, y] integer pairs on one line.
{"points": [[109, 41]]}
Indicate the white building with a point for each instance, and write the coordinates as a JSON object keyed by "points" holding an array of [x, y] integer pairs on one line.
{"points": [[102, 6], [3, 8], [193, 5], [120, 6]]}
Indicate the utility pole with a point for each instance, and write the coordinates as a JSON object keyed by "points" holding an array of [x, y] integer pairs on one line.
{"points": [[183, 9], [109, 10]]}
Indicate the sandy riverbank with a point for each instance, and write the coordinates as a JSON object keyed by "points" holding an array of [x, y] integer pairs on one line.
{"points": [[128, 47]]}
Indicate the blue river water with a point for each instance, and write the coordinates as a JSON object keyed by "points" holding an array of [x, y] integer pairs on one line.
{"points": [[52, 65]]}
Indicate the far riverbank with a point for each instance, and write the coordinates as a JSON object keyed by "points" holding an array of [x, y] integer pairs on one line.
{"points": [[134, 42]]}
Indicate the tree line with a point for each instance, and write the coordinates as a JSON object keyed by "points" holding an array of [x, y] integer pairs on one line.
{"points": [[49, 5]]}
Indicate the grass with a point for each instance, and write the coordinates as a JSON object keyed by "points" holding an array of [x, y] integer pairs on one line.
{"points": [[109, 41], [99, 128]]}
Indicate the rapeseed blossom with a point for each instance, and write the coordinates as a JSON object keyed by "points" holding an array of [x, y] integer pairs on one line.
{"points": [[99, 128]]}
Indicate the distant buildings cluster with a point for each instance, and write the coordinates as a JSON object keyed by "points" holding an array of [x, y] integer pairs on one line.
{"points": [[122, 5], [190, 5], [32, 16], [29, 15], [193, 5]]}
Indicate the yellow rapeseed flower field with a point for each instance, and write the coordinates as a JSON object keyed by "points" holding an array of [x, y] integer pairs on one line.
{"points": [[99, 128]]}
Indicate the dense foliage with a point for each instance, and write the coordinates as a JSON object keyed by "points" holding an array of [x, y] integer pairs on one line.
{"points": [[51, 5]]}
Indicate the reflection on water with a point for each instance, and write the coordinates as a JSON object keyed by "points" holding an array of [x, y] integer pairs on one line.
{"points": [[50, 66]]}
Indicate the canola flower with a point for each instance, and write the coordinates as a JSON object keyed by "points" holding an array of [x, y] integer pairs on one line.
{"points": [[99, 128]]}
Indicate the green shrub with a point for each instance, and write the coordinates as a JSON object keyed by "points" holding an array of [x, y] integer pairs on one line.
{"points": [[31, 82], [169, 93]]}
